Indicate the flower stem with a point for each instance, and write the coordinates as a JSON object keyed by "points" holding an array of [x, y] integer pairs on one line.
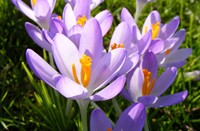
{"points": [[83, 105], [116, 106], [51, 60], [69, 106], [146, 127]]}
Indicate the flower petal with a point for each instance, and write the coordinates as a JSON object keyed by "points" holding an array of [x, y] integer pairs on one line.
{"points": [[41, 68], [42, 10], [132, 118], [134, 83], [26, 10], [150, 63], [107, 68], [70, 89], [178, 55], [129, 64], [168, 29], [65, 54], [147, 100], [81, 8], [180, 35], [170, 99], [164, 81], [156, 46], [74, 34], [99, 121], [105, 19], [127, 17], [91, 40], [124, 93], [121, 35], [69, 17], [144, 43], [152, 18], [110, 91], [36, 34], [95, 3]]}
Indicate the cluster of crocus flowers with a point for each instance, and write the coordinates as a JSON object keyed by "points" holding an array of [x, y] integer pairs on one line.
{"points": [[86, 71]]}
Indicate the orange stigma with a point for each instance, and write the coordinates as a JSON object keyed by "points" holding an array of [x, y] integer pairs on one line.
{"points": [[148, 84]]}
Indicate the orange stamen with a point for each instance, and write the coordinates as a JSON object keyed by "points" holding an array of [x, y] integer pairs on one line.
{"points": [[115, 46], [155, 30], [148, 84], [168, 51], [86, 62]]}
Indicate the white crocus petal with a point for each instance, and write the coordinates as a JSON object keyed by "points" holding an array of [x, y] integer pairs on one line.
{"points": [[65, 54], [27, 10]]}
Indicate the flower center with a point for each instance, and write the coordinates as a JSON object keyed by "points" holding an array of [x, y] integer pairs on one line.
{"points": [[155, 29], [148, 84], [168, 51], [34, 2], [86, 63], [115, 46], [81, 20]]}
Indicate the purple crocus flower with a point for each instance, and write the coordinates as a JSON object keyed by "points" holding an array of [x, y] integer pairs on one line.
{"points": [[84, 70], [44, 38], [93, 4], [121, 38], [145, 86], [40, 10], [165, 42], [133, 118], [75, 18]]}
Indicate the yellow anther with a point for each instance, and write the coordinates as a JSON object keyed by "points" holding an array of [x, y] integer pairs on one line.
{"points": [[115, 46], [155, 30], [168, 51], [81, 20], [59, 17], [109, 129], [75, 74], [86, 63], [148, 84], [34, 2]]}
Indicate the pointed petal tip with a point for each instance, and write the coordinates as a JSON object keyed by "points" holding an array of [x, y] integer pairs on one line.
{"points": [[185, 95]]}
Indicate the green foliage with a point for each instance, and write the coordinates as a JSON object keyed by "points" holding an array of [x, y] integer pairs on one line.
{"points": [[28, 104]]}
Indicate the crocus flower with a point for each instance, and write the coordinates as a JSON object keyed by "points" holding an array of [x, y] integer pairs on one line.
{"points": [[75, 18], [83, 71], [133, 118], [139, 6], [44, 38], [93, 4], [165, 42], [40, 10], [121, 38], [145, 86]]}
